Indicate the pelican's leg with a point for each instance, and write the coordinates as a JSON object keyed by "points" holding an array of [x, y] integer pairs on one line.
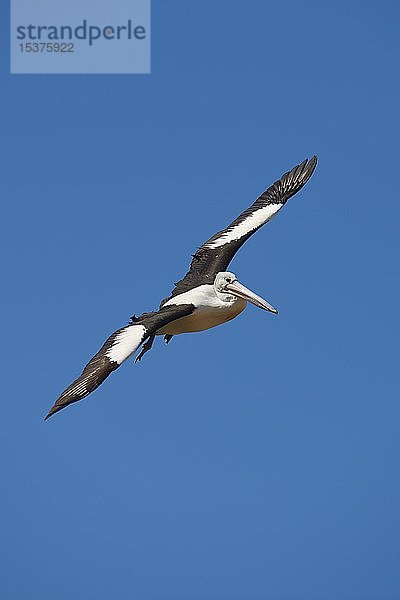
{"points": [[147, 346]]}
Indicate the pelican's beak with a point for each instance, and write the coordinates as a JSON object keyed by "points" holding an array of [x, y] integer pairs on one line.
{"points": [[243, 292]]}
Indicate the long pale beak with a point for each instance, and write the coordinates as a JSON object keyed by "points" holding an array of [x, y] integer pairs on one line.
{"points": [[243, 292]]}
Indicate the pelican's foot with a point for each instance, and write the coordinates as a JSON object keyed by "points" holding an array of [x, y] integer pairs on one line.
{"points": [[145, 348]]}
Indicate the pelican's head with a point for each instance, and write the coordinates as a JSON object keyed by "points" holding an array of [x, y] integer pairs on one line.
{"points": [[226, 283]]}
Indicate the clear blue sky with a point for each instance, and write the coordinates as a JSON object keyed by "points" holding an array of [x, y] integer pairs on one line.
{"points": [[258, 460]]}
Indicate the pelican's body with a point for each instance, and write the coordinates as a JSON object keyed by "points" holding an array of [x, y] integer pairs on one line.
{"points": [[212, 309], [207, 296]]}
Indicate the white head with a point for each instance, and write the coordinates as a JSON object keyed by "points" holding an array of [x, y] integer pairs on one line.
{"points": [[226, 285]]}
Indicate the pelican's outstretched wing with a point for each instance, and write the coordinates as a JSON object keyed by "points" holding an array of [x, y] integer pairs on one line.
{"points": [[217, 252], [116, 349]]}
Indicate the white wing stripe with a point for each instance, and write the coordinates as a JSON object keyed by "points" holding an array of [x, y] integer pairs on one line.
{"points": [[259, 217], [126, 342]]}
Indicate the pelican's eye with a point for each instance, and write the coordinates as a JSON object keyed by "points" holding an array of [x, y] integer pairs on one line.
{"points": [[228, 280]]}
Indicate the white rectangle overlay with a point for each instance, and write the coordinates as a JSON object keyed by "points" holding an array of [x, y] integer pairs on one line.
{"points": [[80, 36]]}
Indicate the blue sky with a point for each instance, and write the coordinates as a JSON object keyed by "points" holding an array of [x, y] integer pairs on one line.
{"points": [[256, 460]]}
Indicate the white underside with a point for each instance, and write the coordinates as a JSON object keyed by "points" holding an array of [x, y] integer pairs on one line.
{"points": [[203, 319], [210, 311]]}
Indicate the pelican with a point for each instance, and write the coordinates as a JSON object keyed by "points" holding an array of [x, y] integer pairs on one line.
{"points": [[207, 296]]}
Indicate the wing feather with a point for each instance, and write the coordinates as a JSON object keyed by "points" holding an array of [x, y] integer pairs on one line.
{"points": [[116, 349], [217, 252]]}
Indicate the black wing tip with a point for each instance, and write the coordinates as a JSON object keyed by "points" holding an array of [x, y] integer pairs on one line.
{"points": [[63, 402], [54, 409], [305, 169], [311, 164], [292, 181], [68, 398]]}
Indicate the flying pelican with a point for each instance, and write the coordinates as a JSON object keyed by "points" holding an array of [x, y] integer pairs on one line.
{"points": [[207, 296]]}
